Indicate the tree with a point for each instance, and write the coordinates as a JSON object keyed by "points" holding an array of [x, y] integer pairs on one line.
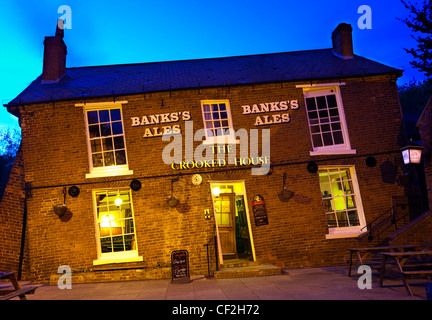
{"points": [[420, 22], [9, 143]]}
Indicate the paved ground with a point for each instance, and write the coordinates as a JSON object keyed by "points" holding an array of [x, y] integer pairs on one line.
{"points": [[296, 284]]}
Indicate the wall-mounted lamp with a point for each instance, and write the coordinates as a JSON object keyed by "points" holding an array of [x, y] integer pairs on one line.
{"points": [[412, 153], [216, 191], [118, 201]]}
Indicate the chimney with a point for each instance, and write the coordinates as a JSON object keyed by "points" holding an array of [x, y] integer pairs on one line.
{"points": [[54, 61], [342, 41]]}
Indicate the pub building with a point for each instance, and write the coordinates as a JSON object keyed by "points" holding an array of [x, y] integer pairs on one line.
{"points": [[280, 160]]}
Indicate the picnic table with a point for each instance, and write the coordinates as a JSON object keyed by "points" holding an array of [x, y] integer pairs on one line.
{"points": [[408, 264], [17, 291], [363, 253]]}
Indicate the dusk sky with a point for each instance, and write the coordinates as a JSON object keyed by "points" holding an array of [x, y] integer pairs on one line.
{"points": [[131, 31]]}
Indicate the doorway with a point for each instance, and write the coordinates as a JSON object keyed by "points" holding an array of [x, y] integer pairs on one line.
{"points": [[232, 221]]}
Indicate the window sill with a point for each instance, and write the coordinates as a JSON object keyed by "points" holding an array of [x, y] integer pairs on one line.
{"points": [[109, 173], [343, 235], [333, 152], [108, 260]]}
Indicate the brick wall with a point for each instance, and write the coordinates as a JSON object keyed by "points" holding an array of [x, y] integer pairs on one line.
{"points": [[55, 154], [11, 220]]}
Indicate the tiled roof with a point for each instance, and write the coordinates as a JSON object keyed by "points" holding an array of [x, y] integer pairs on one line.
{"points": [[160, 76]]}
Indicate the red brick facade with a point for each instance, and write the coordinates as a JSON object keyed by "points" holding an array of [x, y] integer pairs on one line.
{"points": [[55, 155]]}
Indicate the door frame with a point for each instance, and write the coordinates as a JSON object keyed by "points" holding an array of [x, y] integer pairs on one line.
{"points": [[243, 193]]}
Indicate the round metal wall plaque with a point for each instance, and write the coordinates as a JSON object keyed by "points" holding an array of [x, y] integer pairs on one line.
{"points": [[135, 185], [74, 191], [196, 179]]}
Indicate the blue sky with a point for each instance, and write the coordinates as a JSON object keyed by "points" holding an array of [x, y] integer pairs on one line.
{"points": [[133, 31]]}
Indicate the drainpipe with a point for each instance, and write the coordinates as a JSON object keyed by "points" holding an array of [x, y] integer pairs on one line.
{"points": [[27, 193]]}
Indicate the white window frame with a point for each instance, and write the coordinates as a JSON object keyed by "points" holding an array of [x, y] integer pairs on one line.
{"points": [[354, 231], [109, 170], [224, 139], [310, 91], [120, 256]]}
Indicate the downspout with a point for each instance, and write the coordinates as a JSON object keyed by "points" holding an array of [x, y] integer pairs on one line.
{"points": [[23, 232]]}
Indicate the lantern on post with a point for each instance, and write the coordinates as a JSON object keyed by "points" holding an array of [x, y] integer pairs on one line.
{"points": [[412, 153]]}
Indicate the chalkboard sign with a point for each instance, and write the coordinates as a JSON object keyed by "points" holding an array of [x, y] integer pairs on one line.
{"points": [[259, 210], [180, 266]]}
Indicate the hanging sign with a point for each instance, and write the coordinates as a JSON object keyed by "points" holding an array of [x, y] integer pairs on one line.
{"points": [[259, 210], [180, 266]]}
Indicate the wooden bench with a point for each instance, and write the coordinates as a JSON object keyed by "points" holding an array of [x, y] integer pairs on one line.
{"points": [[363, 254], [17, 291], [21, 293], [418, 267]]}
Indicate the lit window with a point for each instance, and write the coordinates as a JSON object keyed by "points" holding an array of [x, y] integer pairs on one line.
{"points": [[115, 224], [217, 120], [106, 142], [327, 123], [341, 199]]}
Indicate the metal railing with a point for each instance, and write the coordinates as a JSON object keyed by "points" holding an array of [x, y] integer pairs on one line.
{"points": [[392, 219], [212, 256]]}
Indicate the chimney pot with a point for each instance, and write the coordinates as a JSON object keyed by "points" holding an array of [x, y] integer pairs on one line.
{"points": [[342, 41]]}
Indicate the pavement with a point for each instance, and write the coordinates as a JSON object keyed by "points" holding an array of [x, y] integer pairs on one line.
{"points": [[325, 283]]}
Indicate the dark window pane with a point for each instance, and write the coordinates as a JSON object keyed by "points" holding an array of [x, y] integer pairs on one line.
{"points": [[225, 123], [209, 125], [109, 158], [338, 137], [117, 128], [206, 108], [115, 114], [107, 144], [222, 107], [315, 129], [104, 116], [310, 103], [224, 115], [335, 119], [327, 138], [316, 138], [321, 102], [334, 112], [313, 115], [323, 114], [331, 101], [118, 143], [336, 126], [95, 145], [105, 129], [94, 131], [120, 157], [97, 160], [207, 116], [215, 115], [325, 128], [215, 107], [217, 124], [92, 117]]}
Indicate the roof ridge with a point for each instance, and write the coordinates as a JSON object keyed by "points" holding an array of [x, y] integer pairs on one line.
{"points": [[197, 59]]}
